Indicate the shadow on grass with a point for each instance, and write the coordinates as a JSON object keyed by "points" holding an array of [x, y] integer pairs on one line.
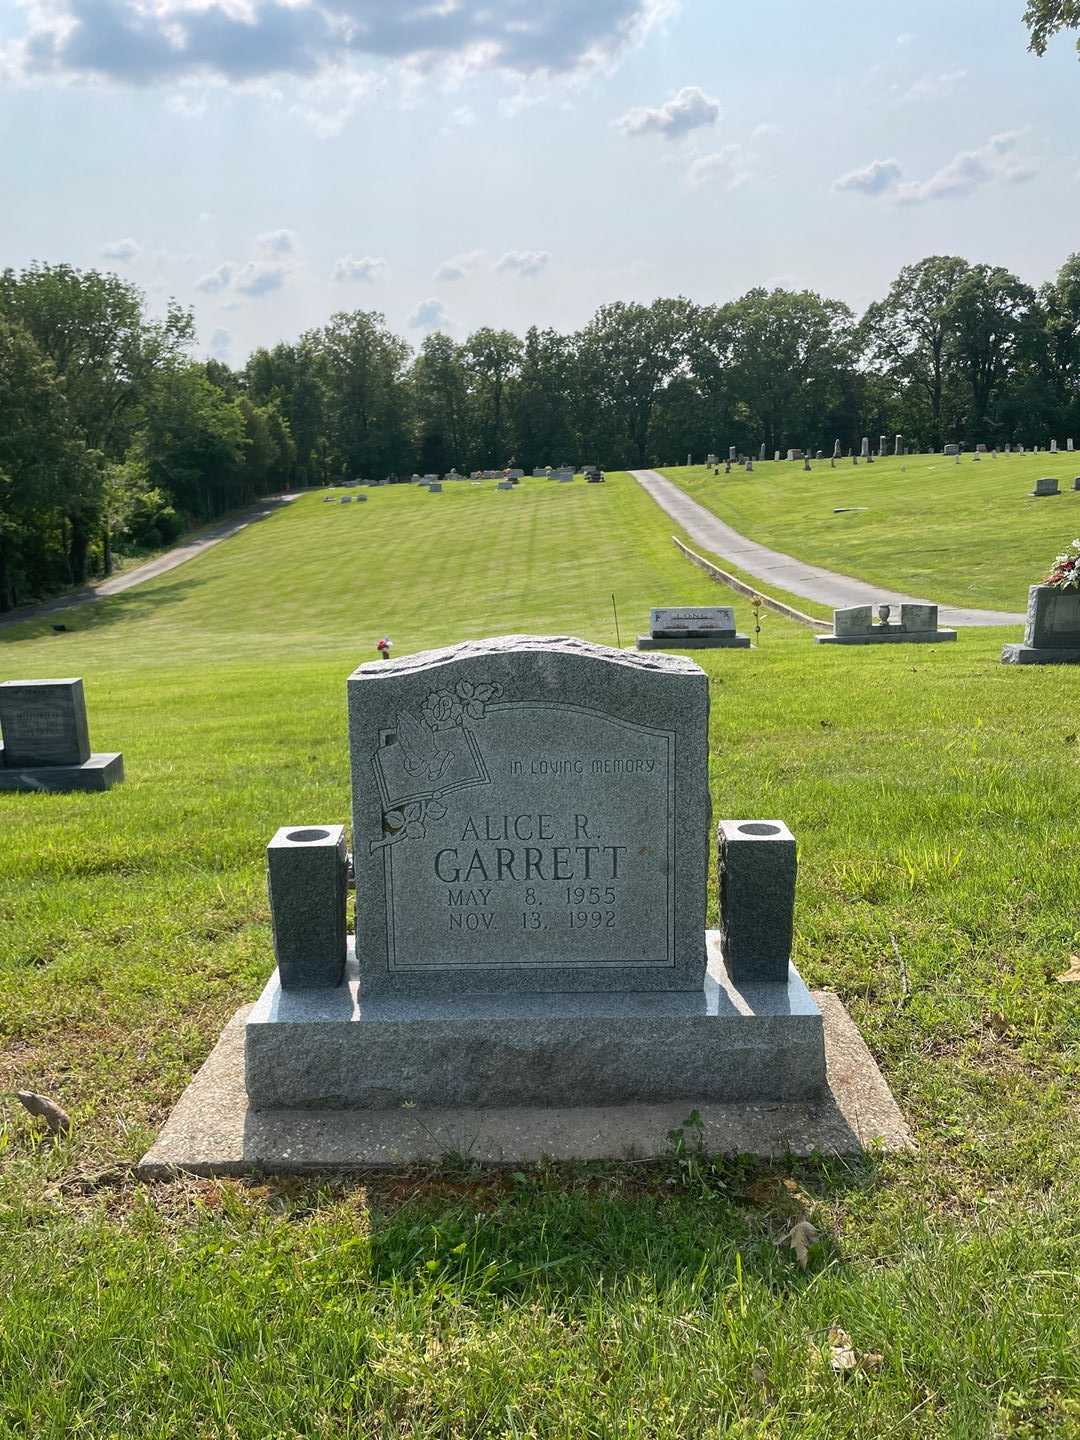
{"points": [[134, 604], [569, 1230]]}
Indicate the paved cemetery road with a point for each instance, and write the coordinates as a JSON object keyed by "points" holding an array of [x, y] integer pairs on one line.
{"points": [[796, 576], [211, 535]]}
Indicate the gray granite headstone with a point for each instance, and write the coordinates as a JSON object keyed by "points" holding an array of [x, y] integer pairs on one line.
{"points": [[918, 617], [1046, 486], [530, 814], [677, 621], [854, 620], [1053, 620], [1052, 633], [43, 722]]}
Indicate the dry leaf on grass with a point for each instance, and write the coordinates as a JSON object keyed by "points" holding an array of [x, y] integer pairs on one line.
{"points": [[842, 1357], [55, 1118], [1071, 976], [800, 1237]]}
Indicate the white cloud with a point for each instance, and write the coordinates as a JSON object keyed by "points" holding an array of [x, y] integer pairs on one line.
{"points": [[430, 315], [259, 277], [216, 280], [969, 171], [936, 87], [121, 250], [331, 98], [463, 116], [366, 269], [726, 167], [140, 43], [767, 131], [1007, 140], [276, 242], [254, 278], [905, 38], [872, 179], [458, 266], [525, 263], [688, 109]]}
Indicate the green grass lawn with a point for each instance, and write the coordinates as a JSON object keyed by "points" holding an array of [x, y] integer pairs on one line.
{"points": [[933, 792], [967, 534]]}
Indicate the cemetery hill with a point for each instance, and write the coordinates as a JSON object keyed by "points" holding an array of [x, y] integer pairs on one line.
{"points": [[931, 792]]}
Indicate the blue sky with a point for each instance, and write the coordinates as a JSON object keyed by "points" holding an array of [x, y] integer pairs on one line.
{"points": [[457, 163]]}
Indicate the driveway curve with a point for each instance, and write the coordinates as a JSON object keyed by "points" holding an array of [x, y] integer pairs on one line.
{"points": [[204, 540], [796, 576]]}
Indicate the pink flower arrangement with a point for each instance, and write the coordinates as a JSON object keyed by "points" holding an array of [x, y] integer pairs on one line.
{"points": [[1065, 573]]}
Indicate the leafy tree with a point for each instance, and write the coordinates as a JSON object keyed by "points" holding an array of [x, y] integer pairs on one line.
{"points": [[45, 469], [788, 353], [1044, 18], [94, 330], [491, 359], [908, 338], [362, 369], [193, 443], [627, 354], [542, 423], [440, 405], [990, 315]]}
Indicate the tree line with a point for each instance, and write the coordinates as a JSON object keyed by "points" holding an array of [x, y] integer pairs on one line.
{"points": [[112, 434]]}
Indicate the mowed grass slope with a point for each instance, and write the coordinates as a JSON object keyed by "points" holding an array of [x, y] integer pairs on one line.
{"points": [[967, 534], [933, 793]]}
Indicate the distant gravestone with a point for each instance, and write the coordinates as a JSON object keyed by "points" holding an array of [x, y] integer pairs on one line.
{"points": [[952, 449], [866, 447], [706, 627], [980, 449], [854, 626], [883, 442], [732, 453], [898, 448], [1046, 486], [795, 454], [46, 740], [761, 451], [836, 450], [1053, 447], [505, 485], [1068, 444]]}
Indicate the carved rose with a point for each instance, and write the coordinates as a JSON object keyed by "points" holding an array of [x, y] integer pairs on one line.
{"points": [[441, 709], [474, 698]]}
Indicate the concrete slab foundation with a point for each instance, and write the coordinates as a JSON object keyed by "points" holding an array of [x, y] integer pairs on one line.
{"points": [[1038, 655], [214, 1131], [693, 642], [98, 773], [889, 637]]}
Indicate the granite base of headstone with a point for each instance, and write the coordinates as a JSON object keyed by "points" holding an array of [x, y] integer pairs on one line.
{"points": [[46, 740], [854, 625], [532, 974], [1046, 486], [708, 627], [1052, 632]]}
